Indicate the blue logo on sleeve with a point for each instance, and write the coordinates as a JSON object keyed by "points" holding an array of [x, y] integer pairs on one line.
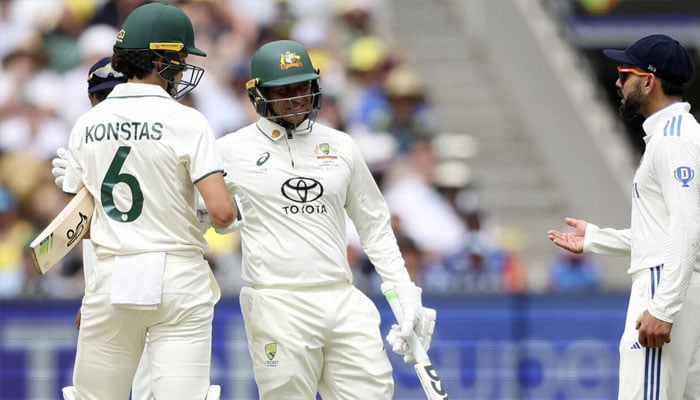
{"points": [[684, 175]]}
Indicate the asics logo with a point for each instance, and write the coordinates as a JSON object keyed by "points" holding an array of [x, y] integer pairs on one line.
{"points": [[263, 158]]}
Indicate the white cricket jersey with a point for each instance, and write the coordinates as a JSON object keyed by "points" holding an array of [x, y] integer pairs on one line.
{"points": [[139, 153], [665, 225], [295, 191]]}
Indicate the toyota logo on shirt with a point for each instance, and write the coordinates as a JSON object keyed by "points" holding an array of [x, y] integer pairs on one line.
{"points": [[302, 190]]}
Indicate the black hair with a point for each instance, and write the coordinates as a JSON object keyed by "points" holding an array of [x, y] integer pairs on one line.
{"points": [[132, 63], [101, 94], [672, 89]]}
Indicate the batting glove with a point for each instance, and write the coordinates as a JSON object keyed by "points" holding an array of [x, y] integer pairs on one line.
{"points": [[59, 163], [69, 393], [214, 393], [415, 317], [399, 344]]}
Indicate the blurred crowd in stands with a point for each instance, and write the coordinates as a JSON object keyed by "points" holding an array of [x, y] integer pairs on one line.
{"points": [[371, 90]]}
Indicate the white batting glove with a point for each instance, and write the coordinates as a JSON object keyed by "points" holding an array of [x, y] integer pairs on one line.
{"points": [[214, 392], [69, 393], [399, 344], [415, 317], [59, 163]]}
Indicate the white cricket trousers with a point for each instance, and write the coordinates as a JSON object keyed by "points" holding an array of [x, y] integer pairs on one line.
{"points": [[671, 372], [322, 339], [112, 338]]}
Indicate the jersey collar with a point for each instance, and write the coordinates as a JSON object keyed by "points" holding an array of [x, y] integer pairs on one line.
{"points": [[276, 131], [656, 121], [133, 89]]}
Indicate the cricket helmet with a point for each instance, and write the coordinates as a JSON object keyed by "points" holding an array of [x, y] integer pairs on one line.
{"points": [[282, 63], [154, 31]]}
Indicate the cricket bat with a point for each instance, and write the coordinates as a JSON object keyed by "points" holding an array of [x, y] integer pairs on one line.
{"points": [[63, 233], [427, 375]]}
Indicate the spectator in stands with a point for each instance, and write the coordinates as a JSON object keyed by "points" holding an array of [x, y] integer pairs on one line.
{"points": [[15, 234], [479, 267], [573, 273], [411, 116], [36, 127], [227, 35], [355, 19], [426, 216], [94, 43], [114, 12], [19, 65], [61, 32], [366, 105]]}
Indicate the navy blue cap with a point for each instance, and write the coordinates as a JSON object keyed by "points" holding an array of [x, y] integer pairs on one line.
{"points": [[659, 54], [102, 76]]}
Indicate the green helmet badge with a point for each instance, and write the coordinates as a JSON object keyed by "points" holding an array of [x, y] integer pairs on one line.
{"points": [[282, 62], [290, 60]]}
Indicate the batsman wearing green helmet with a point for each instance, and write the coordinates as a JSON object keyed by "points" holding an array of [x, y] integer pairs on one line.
{"points": [[141, 155], [309, 329]]}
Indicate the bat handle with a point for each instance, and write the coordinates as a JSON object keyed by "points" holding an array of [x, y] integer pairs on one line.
{"points": [[428, 377], [389, 291]]}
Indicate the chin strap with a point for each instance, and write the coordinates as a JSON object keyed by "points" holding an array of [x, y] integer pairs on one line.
{"points": [[171, 89]]}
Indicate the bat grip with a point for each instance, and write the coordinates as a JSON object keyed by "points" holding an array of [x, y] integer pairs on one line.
{"points": [[389, 291]]}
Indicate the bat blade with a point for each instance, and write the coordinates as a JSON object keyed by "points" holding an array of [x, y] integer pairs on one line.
{"points": [[63, 233], [430, 381], [427, 375]]}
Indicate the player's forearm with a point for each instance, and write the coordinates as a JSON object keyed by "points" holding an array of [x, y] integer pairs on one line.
{"points": [[607, 241], [680, 263], [671, 293], [379, 243], [222, 211], [385, 255]]}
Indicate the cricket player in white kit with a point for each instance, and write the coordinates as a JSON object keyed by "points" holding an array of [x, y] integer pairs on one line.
{"points": [[309, 329], [101, 81], [660, 346], [141, 154]]}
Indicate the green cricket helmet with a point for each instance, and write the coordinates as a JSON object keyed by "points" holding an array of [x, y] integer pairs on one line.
{"points": [[282, 63], [161, 31]]}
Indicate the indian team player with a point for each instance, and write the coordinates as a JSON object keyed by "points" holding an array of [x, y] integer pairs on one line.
{"points": [[141, 155], [309, 329], [660, 346]]}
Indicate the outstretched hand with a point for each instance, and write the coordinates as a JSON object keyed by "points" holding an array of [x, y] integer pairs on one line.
{"points": [[571, 241]]}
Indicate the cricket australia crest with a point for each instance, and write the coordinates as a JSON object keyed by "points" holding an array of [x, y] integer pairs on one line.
{"points": [[271, 352]]}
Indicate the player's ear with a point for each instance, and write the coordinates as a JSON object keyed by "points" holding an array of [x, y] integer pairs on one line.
{"points": [[650, 81], [160, 63]]}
